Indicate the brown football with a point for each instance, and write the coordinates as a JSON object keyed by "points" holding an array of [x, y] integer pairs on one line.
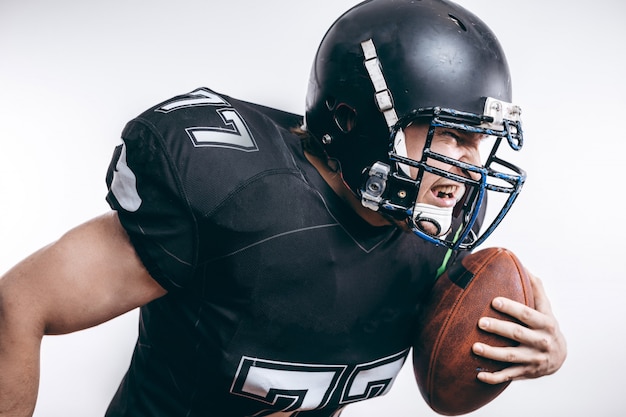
{"points": [[444, 364]]}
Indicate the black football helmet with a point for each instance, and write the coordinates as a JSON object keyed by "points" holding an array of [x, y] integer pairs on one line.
{"points": [[386, 64]]}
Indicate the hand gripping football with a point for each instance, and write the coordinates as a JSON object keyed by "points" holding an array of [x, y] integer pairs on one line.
{"points": [[444, 364]]}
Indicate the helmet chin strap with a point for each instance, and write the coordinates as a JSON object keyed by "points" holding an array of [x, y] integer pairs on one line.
{"points": [[439, 217]]}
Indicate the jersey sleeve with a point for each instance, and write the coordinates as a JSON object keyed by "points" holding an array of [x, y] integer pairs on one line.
{"points": [[145, 190]]}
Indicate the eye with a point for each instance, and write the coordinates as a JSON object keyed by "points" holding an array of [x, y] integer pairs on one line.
{"points": [[450, 134], [465, 140]]}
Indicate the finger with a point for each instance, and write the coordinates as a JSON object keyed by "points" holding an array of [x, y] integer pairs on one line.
{"points": [[507, 329], [524, 314], [511, 355], [539, 340], [541, 351], [492, 378], [514, 371], [523, 363], [508, 374]]}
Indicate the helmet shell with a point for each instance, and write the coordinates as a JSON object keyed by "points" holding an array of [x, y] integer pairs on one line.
{"points": [[433, 53]]}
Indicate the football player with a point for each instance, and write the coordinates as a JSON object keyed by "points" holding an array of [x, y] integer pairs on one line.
{"points": [[280, 261]]}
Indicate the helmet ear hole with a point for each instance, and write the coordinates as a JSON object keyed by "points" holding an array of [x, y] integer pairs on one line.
{"points": [[345, 118]]}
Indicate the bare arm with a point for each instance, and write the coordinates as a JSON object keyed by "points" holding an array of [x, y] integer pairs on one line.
{"points": [[90, 275]]}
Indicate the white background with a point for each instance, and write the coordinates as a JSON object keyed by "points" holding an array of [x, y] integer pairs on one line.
{"points": [[72, 73]]}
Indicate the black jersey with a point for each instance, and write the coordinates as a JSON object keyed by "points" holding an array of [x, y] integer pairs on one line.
{"points": [[281, 300]]}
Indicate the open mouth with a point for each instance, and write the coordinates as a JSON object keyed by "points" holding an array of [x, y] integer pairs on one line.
{"points": [[446, 191]]}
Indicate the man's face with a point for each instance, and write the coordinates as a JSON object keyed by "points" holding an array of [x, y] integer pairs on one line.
{"points": [[463, 146]]}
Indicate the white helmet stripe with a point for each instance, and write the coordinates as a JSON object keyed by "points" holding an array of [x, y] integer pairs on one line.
{"points": [[383, 97]]}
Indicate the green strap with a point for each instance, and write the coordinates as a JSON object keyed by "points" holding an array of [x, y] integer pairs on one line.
{"points": [[446, 258]]}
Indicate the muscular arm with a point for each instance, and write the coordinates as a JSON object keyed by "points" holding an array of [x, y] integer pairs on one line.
{"points": [[90, 275]]}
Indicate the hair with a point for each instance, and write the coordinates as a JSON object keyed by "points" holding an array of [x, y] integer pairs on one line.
{"points": [[310, 143]]}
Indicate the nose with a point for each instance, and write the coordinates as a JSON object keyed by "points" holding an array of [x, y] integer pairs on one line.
{"points": [[469, 154]]}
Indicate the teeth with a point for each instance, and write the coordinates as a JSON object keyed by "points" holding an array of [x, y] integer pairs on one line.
{"points": [[446, 191]]}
